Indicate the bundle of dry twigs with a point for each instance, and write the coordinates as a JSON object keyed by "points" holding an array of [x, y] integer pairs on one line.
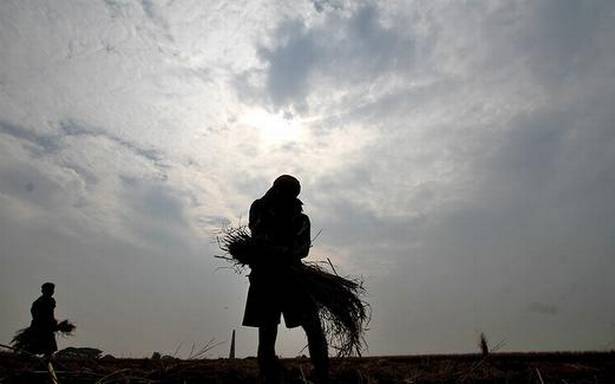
{"points": [[66, 328], [345, 315], [33, 340]]}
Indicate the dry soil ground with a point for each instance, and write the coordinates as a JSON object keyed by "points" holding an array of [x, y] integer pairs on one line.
{"points": [[547, 368]]}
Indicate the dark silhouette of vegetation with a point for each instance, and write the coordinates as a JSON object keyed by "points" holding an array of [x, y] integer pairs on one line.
{"points": [[484, 346], [511, 368]]}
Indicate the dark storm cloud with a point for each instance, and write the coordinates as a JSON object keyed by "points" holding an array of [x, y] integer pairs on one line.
{"points": [[342, 48], [72, 127], [290, 65], [48, 143], [322, 5], [149, 9], [52, 142]]}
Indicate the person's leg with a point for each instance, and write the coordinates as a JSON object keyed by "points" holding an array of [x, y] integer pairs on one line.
{"points": [[267, 361], [317, 345]]}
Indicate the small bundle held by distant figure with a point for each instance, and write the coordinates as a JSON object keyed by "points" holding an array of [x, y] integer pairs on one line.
{"points": [[339, 299], [38, 340], [66, 328]]}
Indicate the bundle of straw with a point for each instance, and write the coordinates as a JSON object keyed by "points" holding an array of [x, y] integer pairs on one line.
{"points": [[239, 245], [36, 341], [66, 328], [338, 299]]}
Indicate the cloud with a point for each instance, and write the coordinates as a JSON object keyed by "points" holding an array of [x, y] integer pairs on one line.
{"points": [[489, 172], [73, 177], [322, 5], [70, 127], [457, 155], [543, 309], [47, 143], [52, 142], [559, 34], [341, 48]]}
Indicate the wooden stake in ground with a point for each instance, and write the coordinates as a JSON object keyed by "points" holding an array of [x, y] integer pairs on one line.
{"points": [[483, 344], [231, 354], [52, 373]]}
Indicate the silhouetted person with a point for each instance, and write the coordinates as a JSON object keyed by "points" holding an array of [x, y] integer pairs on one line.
{"points": [[44, 324], [278, 222]]}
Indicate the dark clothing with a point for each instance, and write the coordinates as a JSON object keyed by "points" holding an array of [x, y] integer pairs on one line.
{"points": [[43, 326], [285, 234], [278, 225], [271, 369], [42, 313]]}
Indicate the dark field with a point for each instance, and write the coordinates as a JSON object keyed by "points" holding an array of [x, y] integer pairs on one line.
{"points": [[561, 368]]}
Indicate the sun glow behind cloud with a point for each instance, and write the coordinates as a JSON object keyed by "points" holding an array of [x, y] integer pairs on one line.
{"points": [[274, 129]]}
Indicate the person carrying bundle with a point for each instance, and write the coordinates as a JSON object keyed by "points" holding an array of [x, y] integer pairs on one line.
{"points": [[39, 337], [278, 224]]}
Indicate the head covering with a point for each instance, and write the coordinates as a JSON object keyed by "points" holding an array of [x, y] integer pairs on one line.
{"points": [[287, 185], [48, 285], [48, 288]]}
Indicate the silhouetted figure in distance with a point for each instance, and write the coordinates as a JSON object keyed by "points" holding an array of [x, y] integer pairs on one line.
{"points": [[44, 323], [278, 222]]}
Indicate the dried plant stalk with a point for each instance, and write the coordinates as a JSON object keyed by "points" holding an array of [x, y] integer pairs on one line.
{"points": [[343, 312], [29, 339]]}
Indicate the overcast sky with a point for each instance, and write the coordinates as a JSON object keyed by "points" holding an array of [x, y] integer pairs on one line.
{"points": [[459, 155]]}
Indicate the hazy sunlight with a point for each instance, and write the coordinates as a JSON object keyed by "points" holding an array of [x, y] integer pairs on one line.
{"points": [[274, 129]]}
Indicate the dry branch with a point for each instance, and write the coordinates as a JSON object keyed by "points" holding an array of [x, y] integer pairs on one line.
{"points": [[342, 310]]}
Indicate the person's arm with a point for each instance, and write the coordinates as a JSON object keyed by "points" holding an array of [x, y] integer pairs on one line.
{"points": [[258, 227], [302, 241], [34, 310], [255, 219], [50, 312]]}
